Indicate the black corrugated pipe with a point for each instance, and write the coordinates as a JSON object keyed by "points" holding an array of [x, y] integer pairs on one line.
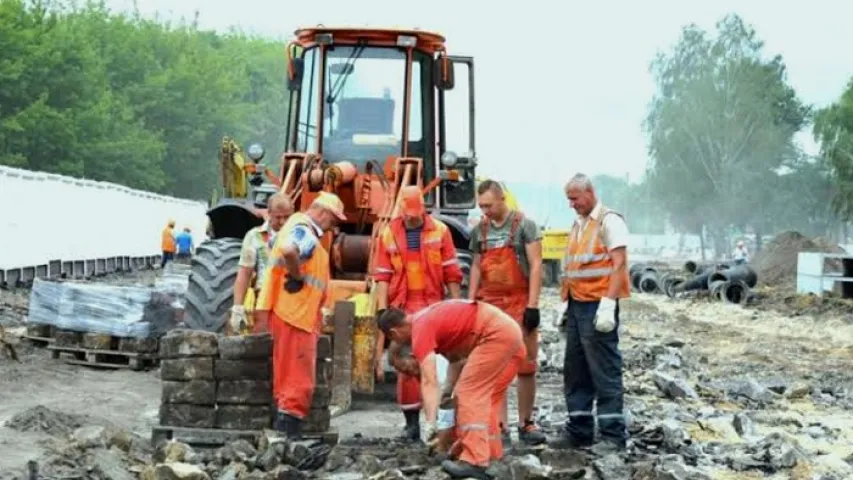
{"points": [[670, 285], [636, 272], [735, 292], [690, 266], [716, 288], [699, 282], [649, 281], [743, 273]]}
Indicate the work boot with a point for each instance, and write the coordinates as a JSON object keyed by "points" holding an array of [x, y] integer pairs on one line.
{"points": [[412, 430], [530, 434], [463, 469], [289, 425]]}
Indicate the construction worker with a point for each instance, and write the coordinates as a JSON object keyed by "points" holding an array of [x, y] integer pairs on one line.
{"points": [[595, 277], [491, 343], [253, 261], [507, 272], [416, 262], [184, 244], [290, 306], [740, 255], [167, 243]]}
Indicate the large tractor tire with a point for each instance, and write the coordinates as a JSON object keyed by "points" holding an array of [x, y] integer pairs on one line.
{"points": [[211, 284]]}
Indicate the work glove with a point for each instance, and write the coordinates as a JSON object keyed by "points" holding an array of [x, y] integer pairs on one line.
{"points": [[379, 313], [238, 321], [431, 435], [293, 285], [605, 317], [531, 319]]}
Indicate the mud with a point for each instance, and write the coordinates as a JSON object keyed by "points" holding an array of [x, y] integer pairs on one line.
{"points": [[776, 263], [713, 390]]}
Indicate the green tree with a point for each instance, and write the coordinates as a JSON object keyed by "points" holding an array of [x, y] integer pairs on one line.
{"points": [[833, 129], [90, 93], [721, 123]]}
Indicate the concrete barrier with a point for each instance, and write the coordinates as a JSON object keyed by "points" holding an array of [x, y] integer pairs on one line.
{"points": [[54, 226]]}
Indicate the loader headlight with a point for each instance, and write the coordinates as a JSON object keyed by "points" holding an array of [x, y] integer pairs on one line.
{"points": [[255, 152], [449, 159]]}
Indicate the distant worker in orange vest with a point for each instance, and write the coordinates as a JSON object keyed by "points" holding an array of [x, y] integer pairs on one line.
{"points": [[416, 262], [507, 273], [168, 244], [491, 345], [290, 307], [595, 277]]}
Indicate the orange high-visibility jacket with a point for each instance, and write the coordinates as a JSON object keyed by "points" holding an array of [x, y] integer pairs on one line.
{"points": [[303, 308], [167, 241], [587, 264], [437, 254]]}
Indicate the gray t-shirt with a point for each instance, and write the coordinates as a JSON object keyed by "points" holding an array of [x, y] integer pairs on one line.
{"points": [[528, 232]]}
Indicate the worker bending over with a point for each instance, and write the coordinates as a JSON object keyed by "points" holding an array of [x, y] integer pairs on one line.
{"points": [[595, 277], [253, 261], [492, 346], [416, 262], [168, 245], [507, 272], [289, 305]]}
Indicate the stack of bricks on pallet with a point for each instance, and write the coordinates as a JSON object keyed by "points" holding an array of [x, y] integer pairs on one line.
{"points": [[215, 382], [226, 382]]}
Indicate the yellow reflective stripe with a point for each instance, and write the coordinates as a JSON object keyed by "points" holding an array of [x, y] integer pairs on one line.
{"points": [[384, 270], [450, 262], [588, 273], [588, 257], [473, 426], [314, 282]]}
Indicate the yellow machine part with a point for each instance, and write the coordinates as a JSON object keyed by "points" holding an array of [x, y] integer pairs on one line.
{"points": [[554, 244]]}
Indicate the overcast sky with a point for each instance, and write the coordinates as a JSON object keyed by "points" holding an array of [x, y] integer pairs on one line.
{"points": [[563, 82]]}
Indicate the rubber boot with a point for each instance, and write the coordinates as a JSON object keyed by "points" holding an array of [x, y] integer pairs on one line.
{"points": [[412, 430], [462, 469]]}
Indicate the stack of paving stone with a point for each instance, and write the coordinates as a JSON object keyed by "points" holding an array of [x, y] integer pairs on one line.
{"points": [[319, 418], [215, 382], [210, 381]]}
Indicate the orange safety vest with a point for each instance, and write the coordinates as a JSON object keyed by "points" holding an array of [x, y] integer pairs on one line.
{"points": [[422, 271], [167, 241], [303, 308], [587, 264]]}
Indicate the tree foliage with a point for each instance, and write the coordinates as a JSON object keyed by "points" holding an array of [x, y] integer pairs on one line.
{"points": [[721, 134], [833, 129], [90, 93]]}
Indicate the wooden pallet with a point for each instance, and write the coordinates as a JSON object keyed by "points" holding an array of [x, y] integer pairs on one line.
{"points": [[103, 358], [38, 341], [217, 437]]}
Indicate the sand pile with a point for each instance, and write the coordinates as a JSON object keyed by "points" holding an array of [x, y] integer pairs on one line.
{"points": [[43, 419], [776, 263]]}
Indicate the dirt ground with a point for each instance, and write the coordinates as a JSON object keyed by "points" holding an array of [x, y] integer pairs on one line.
{"points": [[790, 376]]}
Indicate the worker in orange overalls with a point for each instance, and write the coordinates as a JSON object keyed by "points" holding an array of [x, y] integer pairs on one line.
{"points": [[289, 306], [507, 272], [168, 244], [491, 343], [416, 262]]}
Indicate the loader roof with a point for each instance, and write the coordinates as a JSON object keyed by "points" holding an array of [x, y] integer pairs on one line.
{"points": [[427, 41]]}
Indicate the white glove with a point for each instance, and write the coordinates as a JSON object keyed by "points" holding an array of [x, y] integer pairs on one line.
{"points": [[430, 433], [238, 320], [605, 317]]}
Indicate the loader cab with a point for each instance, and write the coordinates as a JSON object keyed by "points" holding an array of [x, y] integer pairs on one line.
{"points": [[363, 96]]}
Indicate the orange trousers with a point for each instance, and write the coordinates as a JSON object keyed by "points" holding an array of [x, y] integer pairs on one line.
{"points": [[294, 353], [491, 366], [409, 387]]}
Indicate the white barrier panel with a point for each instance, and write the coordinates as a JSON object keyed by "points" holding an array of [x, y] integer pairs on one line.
{"points": [[46, 217]]}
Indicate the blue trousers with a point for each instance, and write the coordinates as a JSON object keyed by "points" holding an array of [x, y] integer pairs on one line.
{"points": [[592, 373]]}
